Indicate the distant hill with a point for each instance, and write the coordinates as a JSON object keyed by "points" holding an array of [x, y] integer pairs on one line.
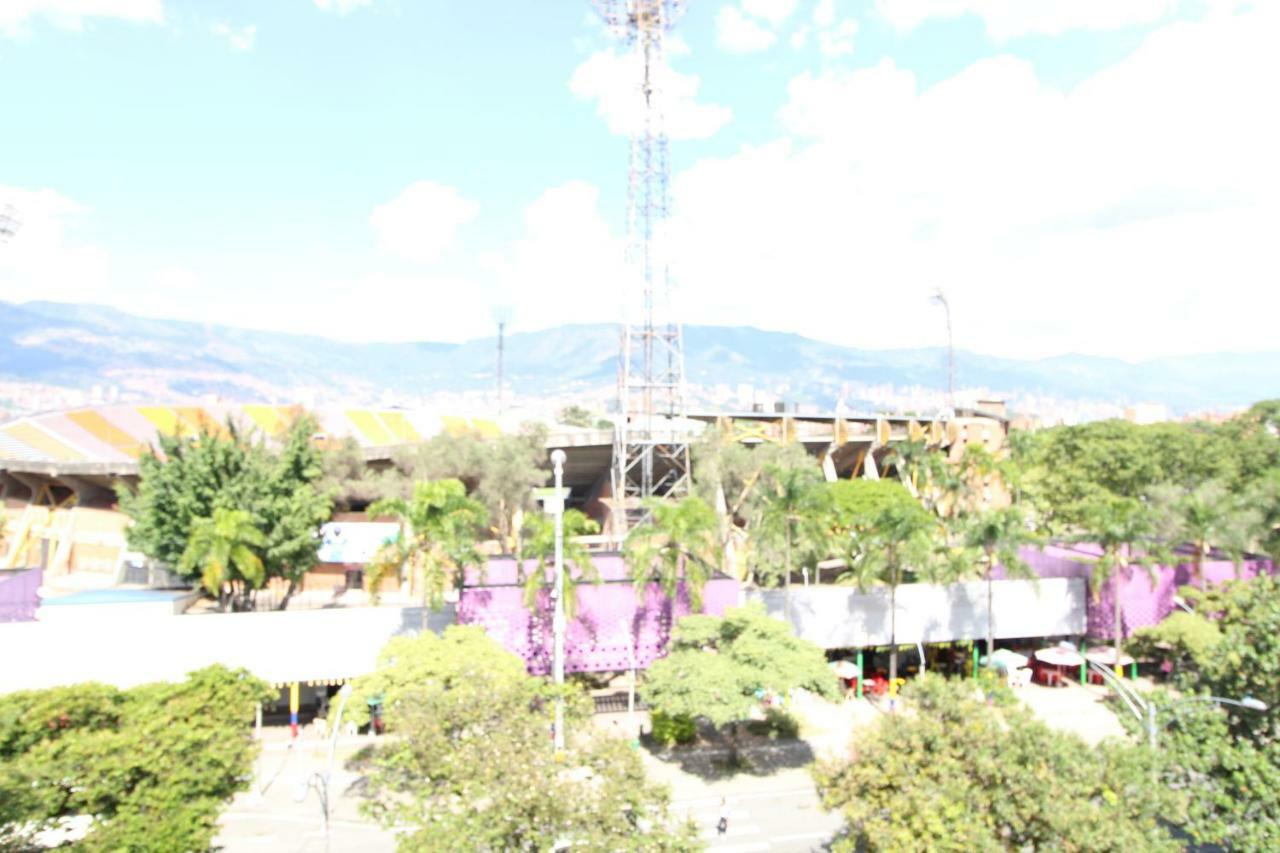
{"points": [[79, 346]]}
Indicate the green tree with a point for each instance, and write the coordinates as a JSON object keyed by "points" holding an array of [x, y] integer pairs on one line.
{"points": [[437, 537], [187, 479], [1205, 517], [540, 544], [1119, 526], [1246, 662], [461, 653], [794, 518], [959, 775], [679, 543], [471, 766], [221, 553], [153, 766], [998, 534], [717, 664], [886, 536]]}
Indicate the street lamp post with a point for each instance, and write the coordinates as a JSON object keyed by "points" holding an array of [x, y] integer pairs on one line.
{"points": [[558, 623]]}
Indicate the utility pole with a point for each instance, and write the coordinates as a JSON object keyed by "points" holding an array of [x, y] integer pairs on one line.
{"points": [[941, 298], [502, 327], [558, 623]]}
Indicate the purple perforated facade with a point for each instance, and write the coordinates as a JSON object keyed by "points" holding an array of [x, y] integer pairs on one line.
{"points": [[1142, 600], [611, 618], [19, 595]]}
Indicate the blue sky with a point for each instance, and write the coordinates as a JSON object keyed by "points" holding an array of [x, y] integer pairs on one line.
{"points": [[832, 163]]}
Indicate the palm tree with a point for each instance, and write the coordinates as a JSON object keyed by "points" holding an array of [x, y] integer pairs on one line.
{"points": [[540, 544], [795, 515], [889, 534], [1117, 525], [222, 550], [679, 543], [437, 537], [998, 534], [1203, 517]]}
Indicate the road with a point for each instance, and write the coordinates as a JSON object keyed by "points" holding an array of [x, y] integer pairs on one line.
{"points": [[779, 821]]}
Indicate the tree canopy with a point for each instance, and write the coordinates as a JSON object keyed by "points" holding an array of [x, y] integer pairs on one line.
{"points": [[153, 766], [717, 664], [955, 774], [189, 478], [471, 766]]}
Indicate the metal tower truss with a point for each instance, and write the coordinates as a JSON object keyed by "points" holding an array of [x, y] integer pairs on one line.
{"points": [[651, 445]]}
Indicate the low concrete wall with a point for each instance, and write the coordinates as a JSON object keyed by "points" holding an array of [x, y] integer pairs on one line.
{"points": [[842, 617], [280, 647]]}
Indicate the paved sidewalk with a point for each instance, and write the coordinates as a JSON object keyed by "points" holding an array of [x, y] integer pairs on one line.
{"points": [[1075, 708]]}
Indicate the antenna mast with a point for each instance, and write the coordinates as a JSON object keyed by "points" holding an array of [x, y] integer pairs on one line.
{"points": [[650, 445]]}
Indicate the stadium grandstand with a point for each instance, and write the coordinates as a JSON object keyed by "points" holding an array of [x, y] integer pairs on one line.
{"points": [[59, 471]]}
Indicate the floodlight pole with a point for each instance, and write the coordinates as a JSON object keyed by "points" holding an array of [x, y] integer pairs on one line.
{"points": [[558, 624]]}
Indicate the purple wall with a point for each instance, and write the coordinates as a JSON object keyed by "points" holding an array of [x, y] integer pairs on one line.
{"points": [[609, 616], [18, 596], [1141, 602]]}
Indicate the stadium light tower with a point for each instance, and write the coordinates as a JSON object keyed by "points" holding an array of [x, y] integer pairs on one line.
{"points": [[651, 448], [8, 222], [941, 298]]}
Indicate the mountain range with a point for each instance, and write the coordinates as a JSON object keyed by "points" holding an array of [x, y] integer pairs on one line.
{"points": [[82, 346]]}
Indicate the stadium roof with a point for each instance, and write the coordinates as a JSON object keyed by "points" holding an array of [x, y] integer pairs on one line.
{"points": [[112, 437]]}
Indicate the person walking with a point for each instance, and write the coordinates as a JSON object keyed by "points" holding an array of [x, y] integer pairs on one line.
{"points": [[722, 826]]}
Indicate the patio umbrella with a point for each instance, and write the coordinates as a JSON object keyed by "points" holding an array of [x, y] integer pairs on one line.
{"points": [[1007, 660], [1059, 656], [1107, 655], [845, 669]]}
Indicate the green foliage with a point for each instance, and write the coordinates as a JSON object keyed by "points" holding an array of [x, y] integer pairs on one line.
{"points": [[575, 416], [1184, 638], [405, 664], [153, 765], [1227, 788], [718, 663], [954, 774], [500, 473], [793, 521], [188, 479], [1205, 517], [221, 551], [540, 544], [671, 729], [679, 543], [437, 538], [471, 766], [1246, 662]]}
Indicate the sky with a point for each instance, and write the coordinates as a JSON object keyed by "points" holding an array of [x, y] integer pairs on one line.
{"points": [[1085, 176]]}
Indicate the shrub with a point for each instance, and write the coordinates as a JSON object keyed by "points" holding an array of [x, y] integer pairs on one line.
{"points": [[671, 729], [777, 723]]}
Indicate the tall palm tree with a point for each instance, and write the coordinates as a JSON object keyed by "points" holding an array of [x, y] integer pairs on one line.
{"points": [[679, 543], [889, 535], [540, 544], [998, 534], [1204, 517], [437, 537], [222, 549], [1119, 525], [794, 517]]}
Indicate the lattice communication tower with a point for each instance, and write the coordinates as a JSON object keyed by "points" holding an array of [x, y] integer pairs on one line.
{"points": [[651, 446]]}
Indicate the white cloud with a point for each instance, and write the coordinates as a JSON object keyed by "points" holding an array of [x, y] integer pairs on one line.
{"points": [[43, 259], [1006, 19], [1132, 216], [773, 11], [613, 80], [737, 33], [71, 14], [838, 40], [824, 14], [239, 38], [342, 7], [421, 222]]}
